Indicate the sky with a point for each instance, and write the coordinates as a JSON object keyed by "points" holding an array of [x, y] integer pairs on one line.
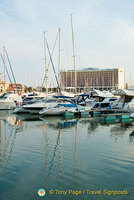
{"points": [[103, 36]]}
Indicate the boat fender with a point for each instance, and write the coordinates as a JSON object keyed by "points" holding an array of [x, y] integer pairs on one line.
{"points": [[17, 103]]}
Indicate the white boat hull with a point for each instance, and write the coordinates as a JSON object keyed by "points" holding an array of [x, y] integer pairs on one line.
{"points": [[57, 111], [53, 111], [20, 109], [7, 105], [131, 106], [33, 111], [8, 101], [37, 107], [61, 110]]}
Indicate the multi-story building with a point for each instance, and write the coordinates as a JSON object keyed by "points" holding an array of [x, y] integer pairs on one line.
{"points": [[3, 86], [17, 87], [93, 78]]}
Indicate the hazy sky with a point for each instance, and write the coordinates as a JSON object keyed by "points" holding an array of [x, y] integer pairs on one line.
{"points": [[103, 32]]}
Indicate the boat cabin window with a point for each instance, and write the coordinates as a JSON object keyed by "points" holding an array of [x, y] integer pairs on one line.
{"points": [[4, 98], [96, 105], [58, 106], [112, 99], [101, 99], [103, 105], [128, 98], [132, 100]]}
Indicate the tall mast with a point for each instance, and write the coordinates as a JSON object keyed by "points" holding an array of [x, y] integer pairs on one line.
{"points": [[130, 82], [46, 70], [59, 61], [75, 78], [4, 52]]}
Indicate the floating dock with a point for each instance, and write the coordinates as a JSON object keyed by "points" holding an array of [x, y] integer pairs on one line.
{"points": [[108, 116], [117, 117], [68, 115]]}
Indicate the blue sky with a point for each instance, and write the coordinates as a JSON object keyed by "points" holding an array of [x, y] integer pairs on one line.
{"points": [[103, 31]]}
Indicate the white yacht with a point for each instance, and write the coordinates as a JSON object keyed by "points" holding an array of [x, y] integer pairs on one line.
{"points": [[8, 101], [126, 100], [131, 105], [104, 102], [59, 109], [28, 99], [49, 101], [33, 103], [36, 107], [101, 99], [63, 107]]}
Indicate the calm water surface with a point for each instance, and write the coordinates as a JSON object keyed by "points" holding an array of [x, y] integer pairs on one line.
{"points": [[62, 155]]}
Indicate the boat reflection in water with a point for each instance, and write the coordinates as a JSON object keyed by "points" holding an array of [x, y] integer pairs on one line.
{"points": [[12, 124], [63, 154], [131, 137], [59, 122], [119, 130], [9, 117], [9, 127]]}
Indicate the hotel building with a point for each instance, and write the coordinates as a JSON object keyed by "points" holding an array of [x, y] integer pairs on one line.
{"points": [[93, 78]]}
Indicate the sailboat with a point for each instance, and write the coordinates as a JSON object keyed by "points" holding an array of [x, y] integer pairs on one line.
{"points": [[8, 100]]}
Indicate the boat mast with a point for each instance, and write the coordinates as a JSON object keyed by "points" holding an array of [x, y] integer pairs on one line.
{"points": [[4, 52], [59, 61], [130, 82], [75, 78], [46, 70]]}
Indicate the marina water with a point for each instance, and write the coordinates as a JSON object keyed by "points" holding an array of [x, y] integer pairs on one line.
{"points": [[65, 155]]}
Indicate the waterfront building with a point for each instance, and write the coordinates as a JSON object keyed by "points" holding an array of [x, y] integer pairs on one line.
{"points": [[17, 87], [4, 86], [94, 78]]}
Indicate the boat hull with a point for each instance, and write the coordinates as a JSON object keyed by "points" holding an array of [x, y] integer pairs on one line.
{"points": [[34, 110], [56, 111], [37, 107], [20, 109], [53, 112], [7, 105]]}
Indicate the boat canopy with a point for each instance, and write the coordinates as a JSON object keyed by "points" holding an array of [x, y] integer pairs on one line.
{"points": [[102, 93], [121, 92], [68, 105], [62, 97]]}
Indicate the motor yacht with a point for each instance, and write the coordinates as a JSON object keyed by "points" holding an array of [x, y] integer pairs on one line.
{"points": [[28, 100], [101, 99], [59, 109], [126, 100], [8, 101], [36, 107]]}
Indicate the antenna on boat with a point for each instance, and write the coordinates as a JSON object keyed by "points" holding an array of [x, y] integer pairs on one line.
{"points": [[75, 78]]}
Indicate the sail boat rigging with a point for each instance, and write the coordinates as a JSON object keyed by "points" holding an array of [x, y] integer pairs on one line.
{"points": [[75, 75], [49, 58], [53, 67], [7, 71], [10, 67]]}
